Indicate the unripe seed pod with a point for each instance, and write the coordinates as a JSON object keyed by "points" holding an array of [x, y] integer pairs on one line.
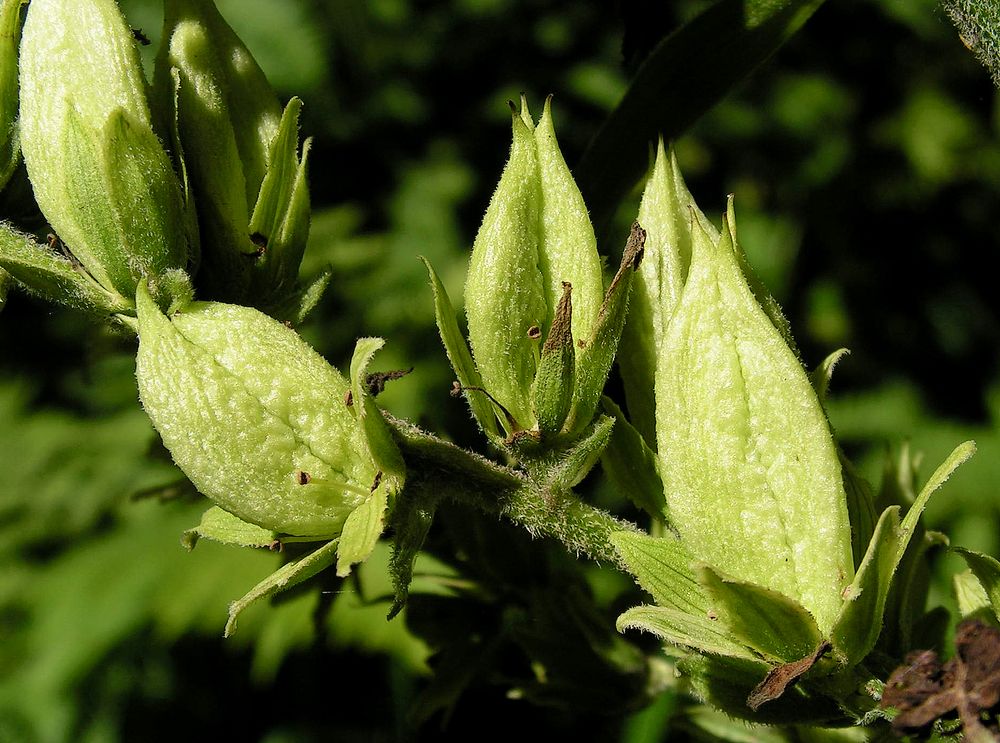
{"points": [[750, 473], [254, 417], [100, 175], [504, 292], [240, 152]]}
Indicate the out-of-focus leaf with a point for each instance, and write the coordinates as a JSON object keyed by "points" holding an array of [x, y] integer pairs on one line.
{"points": [[685, 75]]}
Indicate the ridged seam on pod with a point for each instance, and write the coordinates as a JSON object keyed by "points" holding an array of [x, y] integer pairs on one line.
{"points": [[253, 416], [80, 79], [750, 472]]}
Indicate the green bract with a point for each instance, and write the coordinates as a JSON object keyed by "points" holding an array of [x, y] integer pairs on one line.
{"points": [[240, 153], [10, 31], [99, 173], [259, 422]]}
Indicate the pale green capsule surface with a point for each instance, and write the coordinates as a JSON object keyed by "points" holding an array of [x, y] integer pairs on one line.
{"points": [[750, 473], [253, 416], [568, 247], [211, 90], [504, 291], [667, 213], [83, 104]]}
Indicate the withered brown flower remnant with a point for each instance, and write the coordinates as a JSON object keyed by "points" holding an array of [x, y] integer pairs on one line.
{"points": [[924, 690]]}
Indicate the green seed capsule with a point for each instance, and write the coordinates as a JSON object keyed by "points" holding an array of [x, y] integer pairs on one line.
{"points": [[750, 473], [240, 153], [254, 417], [100, 175]]}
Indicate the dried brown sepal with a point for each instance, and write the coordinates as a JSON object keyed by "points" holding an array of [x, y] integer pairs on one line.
{"points": [[923, 689], [376, 381], [781, 677]]}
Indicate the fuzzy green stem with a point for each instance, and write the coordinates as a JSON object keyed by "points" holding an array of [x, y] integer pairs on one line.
{"points": [[462, 476]]}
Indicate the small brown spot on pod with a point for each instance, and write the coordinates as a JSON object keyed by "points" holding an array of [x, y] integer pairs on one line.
{"points": [[348, 398], [534, 332], [302, 477]]}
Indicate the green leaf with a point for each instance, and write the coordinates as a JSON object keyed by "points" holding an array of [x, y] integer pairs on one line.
{"points": [[222, 526], [822, 374], [631, 465], [860, 620], [860, 508], [595, 358], [749, 467], [695, 632], [281, 214], [411, 521], [666, 96], [663, 568], [576, 460], [288, 575], [552, 393], [361, 532], [767, 621], [987, 572], [383, 448], [461, 359], [971, 597], [299, 304], [54, 277]]}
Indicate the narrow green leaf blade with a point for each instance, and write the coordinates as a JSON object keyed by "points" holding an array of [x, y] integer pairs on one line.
{"points": [[222, 526], [53, 277], [361, 531], [460, 357], [595, 358], [631, 465], [285, 577], [694, 632], [860, 620]]}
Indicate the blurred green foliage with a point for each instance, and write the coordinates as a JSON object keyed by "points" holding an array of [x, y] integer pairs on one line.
{"points": [[866, 167]]}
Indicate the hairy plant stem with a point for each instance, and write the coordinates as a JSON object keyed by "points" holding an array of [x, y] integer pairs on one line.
{"points": [[453, 473]]}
